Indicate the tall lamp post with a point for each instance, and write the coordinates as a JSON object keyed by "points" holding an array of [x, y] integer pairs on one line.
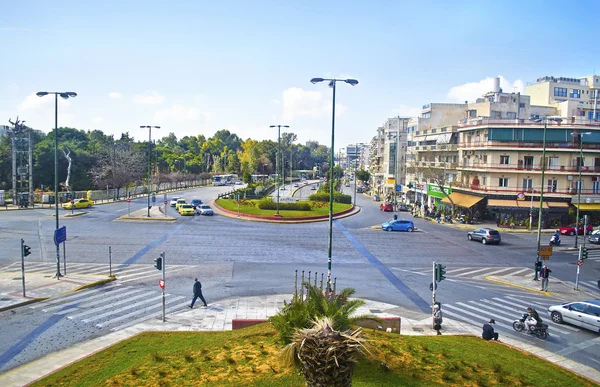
{"points": [[531, 206], [277, 158], [580, 167], [65, 95], [332, 83], [149, 157], [539, 230]]}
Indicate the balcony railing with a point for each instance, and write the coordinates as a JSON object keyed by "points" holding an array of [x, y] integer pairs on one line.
{"points": [[515, 144], [515, 190], [527, 167], [514, 122]]}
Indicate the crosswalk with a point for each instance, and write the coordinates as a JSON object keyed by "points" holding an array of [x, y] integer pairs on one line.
{"points": [[124, 273], [593, 254], [473, 272], [115, 307], [505, 310]]}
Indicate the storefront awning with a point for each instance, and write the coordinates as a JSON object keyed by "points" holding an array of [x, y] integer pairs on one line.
{"points": [[588, 206], [462, 200], [515, 203], [558, 204]]}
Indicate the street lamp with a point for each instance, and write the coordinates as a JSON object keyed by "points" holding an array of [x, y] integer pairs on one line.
{"points": [[580, 167], [65, 95], [332, 83], [539, 231], [149, 157], [531, 206], [277, 158]]}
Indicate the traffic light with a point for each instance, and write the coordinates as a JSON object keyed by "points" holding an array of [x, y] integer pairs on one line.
{"points": [[584, 253], [538, 265], [440, 270], [158, 262], [410, 185], [26, 250]]}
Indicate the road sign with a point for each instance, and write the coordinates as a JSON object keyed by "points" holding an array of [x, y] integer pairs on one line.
{"points": [[431, 286], [579, 262], [521, 196], [398, 188], [128, 200], [165, 202], [60, 235], [545, 251], [161, 283]]}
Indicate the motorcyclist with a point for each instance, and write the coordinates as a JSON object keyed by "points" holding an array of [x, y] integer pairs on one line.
{"points": [[533, 319], [556, 238]]}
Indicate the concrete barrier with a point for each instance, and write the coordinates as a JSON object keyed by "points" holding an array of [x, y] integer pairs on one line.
{"points": [[393, 323], [239, 323]]}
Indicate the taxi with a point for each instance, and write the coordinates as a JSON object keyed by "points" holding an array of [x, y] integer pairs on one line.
{"points": [[186, 210], [78, 203]]}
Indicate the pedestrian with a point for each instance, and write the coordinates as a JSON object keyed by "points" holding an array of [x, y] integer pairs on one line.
{"points": [[437, 318], [197, 293], [438, 216], [488, 331], [545, 275]]}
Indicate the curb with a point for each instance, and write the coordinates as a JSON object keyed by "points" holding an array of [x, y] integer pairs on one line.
{"points": [[4, 309], [518, 286], [169, 219], [101, 282], [74, 214]]}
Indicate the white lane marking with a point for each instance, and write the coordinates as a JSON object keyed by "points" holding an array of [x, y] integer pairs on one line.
{"points": [[102, 296], [127, 299], [139, 278], [167, 310], [64, 300], [111, 312], [471, 272]]}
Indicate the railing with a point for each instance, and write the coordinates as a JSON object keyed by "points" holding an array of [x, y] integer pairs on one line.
{"points": [[528, 167], [514, 190], [520, 144], [518, 122]]}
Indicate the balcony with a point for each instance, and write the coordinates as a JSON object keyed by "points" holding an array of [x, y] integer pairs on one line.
{"points": [[465, 165], [514, 190], [514, 122], [569, 146]]}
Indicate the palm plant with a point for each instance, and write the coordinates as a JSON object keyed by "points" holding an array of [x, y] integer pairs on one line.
{"points": [[327, 357], [300, 314]]}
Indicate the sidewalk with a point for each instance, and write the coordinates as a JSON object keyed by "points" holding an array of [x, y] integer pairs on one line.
{"points": [[564, 290], [218, 316]]}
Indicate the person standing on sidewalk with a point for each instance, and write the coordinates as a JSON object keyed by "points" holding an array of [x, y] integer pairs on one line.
{"points": [[545, 275], [437, 318], [197, 293]]}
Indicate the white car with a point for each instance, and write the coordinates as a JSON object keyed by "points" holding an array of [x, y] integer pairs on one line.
{"points": [[296, 185], [204, 209], [585, 314], [173, 202]]}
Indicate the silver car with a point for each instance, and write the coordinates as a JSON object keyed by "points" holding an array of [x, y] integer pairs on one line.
{"points": [[585, 314], [485, 235], [204, 209]]}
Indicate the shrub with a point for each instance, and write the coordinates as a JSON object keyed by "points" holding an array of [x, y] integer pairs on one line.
{"points": [[270, 204], [337, 197]]}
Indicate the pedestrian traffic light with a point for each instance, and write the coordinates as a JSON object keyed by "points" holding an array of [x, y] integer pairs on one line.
{"points": [[538, 265], [440, 270], [584, 253], [158, 262], [26, 250]]}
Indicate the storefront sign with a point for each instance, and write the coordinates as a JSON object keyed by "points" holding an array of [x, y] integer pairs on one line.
{"points": [[390, 180], [435, 191], [521, 196]]}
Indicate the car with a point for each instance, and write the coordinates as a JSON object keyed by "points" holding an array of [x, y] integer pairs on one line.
{"points": [[78, 203], [204, 209], [359, 190], [196, 202], [386, 207], [584, 314], [313, 187], [186, 209], [179, 203], [594, 237], [296, 185], [570, 229], [237, 182], [398, 225], [347, 184], [485, 236], [402, 207], [174, 200], [376, 198]]}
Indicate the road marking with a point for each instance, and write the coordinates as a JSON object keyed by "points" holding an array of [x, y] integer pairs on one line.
{"points": [[167, 310], [471, 272], [64, 300], [111, 312], [580, 346], [128, 298]]}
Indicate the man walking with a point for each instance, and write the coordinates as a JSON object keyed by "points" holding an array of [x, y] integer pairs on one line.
{"points": [[544, 275], [197, 293]]}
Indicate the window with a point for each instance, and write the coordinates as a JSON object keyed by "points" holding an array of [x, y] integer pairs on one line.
{"points": [[496, 114], [424, 132], [503, 182], [553, 163], [527, 184], [581, 113], [578, 185], [428, 114], [593, 310], [560, 91], [484, 181], [552, 185], [433, 130], [485, 159], [521, 105], [575, 93], [511, 115], [505, 160], [577, 306], [595, 187]]}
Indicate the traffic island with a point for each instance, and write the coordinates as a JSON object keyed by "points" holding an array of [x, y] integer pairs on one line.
{"points": [[156, 214]]}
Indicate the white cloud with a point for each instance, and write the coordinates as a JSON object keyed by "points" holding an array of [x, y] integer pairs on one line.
{"points": [[97, 120], [301, 103], [473, 90], [115, 95], [181, 113], [33, 102], [406, 111], [149, 98]]}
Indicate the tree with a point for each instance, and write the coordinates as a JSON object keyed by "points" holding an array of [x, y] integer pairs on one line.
{"points": [[130, 166], [363, 175]]}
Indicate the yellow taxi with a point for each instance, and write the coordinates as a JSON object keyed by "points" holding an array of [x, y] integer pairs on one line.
{"points": [[78, 203], [186, 209], [180, 202]]}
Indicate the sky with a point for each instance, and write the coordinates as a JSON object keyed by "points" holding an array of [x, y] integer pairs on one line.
{"points": [[196, 67]]}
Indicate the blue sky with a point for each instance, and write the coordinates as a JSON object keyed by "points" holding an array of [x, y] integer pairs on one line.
{"points": [[195, 67]]}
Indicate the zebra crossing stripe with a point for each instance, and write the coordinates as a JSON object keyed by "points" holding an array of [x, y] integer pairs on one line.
{"points": [[478, 309], [534, 302], [146, 271], [145, 318], [127, 307], [521, 271], [500, 271], [102, 296], [471, 272], [452, 271], [62, 301], [110, 305]]}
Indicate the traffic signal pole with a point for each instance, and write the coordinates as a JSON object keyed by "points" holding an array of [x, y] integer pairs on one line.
{"points": [[433, 292], [163, 287], [23, 265]]}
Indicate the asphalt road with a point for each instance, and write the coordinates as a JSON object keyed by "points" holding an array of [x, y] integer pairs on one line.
{"points": [[241, 258]]}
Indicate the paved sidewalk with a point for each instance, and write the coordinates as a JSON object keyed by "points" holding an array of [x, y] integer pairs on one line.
{"points": [[563, 290], [219, 316]]}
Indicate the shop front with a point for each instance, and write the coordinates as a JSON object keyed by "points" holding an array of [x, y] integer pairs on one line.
{"points": [[511, 213], [435, 194], [588, 207], [470, 206]]}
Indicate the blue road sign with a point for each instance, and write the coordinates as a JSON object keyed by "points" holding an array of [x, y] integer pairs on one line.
{"points": [[60, 235], [398, 188]]}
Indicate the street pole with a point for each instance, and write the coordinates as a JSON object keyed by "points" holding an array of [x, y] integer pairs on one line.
{"points": [[278, 176], [433, 286], [539, 230], [149, 158], [579, 191], [58, 275], [23, 266], [330, 240], [164, 263]]}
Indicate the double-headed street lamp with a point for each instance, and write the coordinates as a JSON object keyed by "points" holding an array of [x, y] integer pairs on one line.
{"points": [[580, 167], [277, 158], [149, 157], [65, 95], [539, 231], [332, 83]]}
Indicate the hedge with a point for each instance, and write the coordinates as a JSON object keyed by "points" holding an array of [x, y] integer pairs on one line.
{"points": [[337, 197], [269, 204]]}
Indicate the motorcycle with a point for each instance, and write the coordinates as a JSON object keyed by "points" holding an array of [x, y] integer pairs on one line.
{"points": [[448, 219], [555, 240], [461, 219], [541, 331]]}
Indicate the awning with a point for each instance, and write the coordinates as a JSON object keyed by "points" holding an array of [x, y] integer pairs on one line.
{"points": [[527, 204], [462, 200], [515, 203], [558, 204], [588, 206]]}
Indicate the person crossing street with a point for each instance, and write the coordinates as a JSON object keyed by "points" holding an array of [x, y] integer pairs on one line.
{"points": [[197, 293]]}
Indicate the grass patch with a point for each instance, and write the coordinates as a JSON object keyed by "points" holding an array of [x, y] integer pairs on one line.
{"points": [[252, 358], [249, 207]]}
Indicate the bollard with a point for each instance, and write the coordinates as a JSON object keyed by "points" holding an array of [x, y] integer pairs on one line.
{"points": [[334, 285], [316, 279], [308, 278], [322, 274], [109, 261], [302, 287], [296, 286]]}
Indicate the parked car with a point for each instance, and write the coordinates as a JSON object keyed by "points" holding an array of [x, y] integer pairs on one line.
{"points": [[313, 187], [386, 207], [585, 314], [296, 185], [180, 202], [204, 209], [174, 200], [186, 209], [238, 182], [196, 202], [359, 190], [402, 207], [570, 229], [376, 198], [594, 237], [78, 203], [485, 235], [398, 225]]}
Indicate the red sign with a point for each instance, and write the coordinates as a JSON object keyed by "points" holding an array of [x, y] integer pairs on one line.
{"points": [[165, 202], [521, 196], [161, 283], [580, 262], [128, 200]]}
